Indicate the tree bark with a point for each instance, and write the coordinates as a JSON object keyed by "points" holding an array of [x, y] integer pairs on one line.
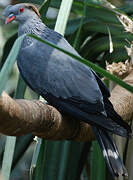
{"points": [[19, 117]]}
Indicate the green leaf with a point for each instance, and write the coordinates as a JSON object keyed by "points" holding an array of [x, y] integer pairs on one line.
{"points": [[51, 159], [118, 55], [31, 1], [21, 88], [98, 167], [97, 12], [65, 159], [11, 141], [8, 157], [36, 163], [63, 16], [77, 38], [7, 67], [7, 48], [43, 9], [56, 4], [22, 144], [99, 45]]}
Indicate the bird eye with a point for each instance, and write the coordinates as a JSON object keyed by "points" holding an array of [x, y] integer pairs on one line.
{"points": [[21, 10]]}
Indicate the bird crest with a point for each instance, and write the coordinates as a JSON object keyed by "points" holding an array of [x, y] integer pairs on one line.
{"points": [[32, 7]]}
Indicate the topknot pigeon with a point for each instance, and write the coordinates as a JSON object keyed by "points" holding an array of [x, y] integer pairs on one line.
{"points": [[67, 84]]}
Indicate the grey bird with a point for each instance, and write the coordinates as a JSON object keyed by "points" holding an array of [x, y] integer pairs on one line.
{"points": [[68, 85]]}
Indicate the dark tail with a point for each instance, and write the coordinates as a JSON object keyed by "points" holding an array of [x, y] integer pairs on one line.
{"points": [[110, 152]]}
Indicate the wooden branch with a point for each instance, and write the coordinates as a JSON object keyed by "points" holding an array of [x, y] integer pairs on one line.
{"points": [[19, 117]]}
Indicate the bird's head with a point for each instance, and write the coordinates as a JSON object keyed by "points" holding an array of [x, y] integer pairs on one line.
{"points": [[20, 12]]}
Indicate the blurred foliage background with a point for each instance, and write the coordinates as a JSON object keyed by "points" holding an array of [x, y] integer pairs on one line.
{"points": [[88, 29]]}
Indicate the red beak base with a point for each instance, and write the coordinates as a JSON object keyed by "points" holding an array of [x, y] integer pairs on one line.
{"points": [[10, 19]]}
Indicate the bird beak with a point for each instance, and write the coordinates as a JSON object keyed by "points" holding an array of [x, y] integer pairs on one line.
{"points": [[10, 18]]}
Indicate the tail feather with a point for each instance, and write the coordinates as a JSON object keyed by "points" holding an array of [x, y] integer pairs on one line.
{"points": [[96, 119], [110, 153]]}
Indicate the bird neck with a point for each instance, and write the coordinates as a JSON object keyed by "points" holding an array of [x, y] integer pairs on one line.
{"points": [[31, 26]]}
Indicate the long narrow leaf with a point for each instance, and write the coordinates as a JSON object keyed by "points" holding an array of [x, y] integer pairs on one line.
{"points": [[8, 157], [98, 168], [77, 38], [7, 67], [43, 9], [11, 141], [21, 87], [22, 144], [63, 16], [36, 157], [40, 165]]}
